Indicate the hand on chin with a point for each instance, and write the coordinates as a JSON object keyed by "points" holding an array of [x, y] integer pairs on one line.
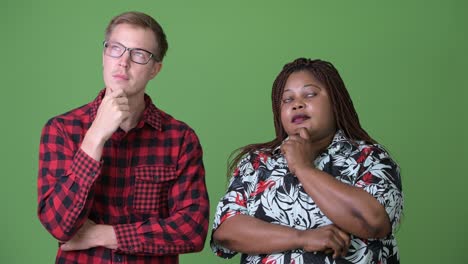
{"points": [[296, 131], [115, 87]]}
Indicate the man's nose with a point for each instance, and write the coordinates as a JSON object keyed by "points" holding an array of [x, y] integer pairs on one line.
{"points": [[124, 60]]}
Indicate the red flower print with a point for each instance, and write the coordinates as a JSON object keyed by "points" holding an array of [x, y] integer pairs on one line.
{"points": [[227, 215], [240, 201], [256, 163], [263, 157], [262, 186], [367, 178], [268, 261], [364, 154], [236, 172]]}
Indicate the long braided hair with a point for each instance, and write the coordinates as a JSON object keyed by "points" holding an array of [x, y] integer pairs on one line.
{"points": [[346, 117]]}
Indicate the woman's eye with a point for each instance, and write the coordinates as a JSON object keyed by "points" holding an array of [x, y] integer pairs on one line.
{"points": [[287, 100], [311, 94]]}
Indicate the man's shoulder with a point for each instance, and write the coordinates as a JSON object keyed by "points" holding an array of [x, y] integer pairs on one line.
{"points": [[73, 117], [168, 122]]}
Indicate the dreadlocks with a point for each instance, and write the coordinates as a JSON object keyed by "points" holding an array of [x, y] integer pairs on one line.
{"points": [[346, 117]]}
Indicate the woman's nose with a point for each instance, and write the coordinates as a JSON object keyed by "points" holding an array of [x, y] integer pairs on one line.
{"points": [[298, 104]]}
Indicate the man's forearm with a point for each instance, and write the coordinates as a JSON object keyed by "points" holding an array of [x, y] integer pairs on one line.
{"points": [[65, 180]]}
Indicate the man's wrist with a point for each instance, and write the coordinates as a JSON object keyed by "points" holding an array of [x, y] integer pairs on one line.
{"points": [[106, 236], [93, 145]]}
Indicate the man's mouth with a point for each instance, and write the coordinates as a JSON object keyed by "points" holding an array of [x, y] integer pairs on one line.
{"points": [[298, 119], [120, 76]]}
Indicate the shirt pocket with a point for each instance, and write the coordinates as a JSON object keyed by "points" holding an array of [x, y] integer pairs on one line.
{"points": [[152, 186]]}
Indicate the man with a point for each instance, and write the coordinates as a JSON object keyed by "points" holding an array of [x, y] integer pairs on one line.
{"points": [[121, 181]]}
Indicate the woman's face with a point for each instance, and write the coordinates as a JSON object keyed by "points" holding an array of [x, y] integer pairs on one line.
{"points": [[306, 104]]}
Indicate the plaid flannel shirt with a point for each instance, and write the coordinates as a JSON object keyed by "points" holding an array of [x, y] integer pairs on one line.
{"points": [[149, 185]]}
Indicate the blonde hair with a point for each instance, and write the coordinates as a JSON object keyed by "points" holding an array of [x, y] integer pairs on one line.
{"points": [[144, 21]]}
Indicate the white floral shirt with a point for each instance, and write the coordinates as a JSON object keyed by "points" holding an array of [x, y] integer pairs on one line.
{"points": [[263, 187]]}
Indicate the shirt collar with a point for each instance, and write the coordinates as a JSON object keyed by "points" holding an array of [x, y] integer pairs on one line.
{"points": [[340, 144], [151, 114]]}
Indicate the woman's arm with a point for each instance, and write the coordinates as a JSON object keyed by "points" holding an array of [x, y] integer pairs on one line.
{"points": [[351, 208], [246, 234]]}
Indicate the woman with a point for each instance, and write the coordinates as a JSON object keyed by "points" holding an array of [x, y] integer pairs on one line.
{"points": [[322, 191]]}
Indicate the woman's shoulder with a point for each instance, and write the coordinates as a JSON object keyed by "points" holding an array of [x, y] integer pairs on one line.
{"points": [[263, 153], [256, 156], [374, 152]]}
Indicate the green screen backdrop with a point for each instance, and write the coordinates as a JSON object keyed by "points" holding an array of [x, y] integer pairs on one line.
{"points": [[404, 63]]}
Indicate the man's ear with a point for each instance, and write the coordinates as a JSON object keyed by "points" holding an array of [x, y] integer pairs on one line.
{"points": [[156, 69]]}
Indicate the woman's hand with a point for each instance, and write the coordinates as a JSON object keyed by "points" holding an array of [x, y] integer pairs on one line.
{"points": [[299, 151], [329, 239]]}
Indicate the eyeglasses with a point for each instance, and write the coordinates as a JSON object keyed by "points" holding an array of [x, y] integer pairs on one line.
{"points": [[116, 50]]}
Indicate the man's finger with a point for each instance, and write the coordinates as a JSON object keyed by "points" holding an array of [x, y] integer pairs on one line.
{"points": [[122, 100], [65, 247]]}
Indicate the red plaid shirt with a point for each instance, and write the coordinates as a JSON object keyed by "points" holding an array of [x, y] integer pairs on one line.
{"points": [[149, 186]]}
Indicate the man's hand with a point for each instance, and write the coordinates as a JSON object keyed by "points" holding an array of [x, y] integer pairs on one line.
{"points": [[329, 239], [299, 151], [112, 111], [92, 235]]}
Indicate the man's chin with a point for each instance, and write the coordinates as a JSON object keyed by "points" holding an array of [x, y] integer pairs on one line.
{"points": [[119, 86]]}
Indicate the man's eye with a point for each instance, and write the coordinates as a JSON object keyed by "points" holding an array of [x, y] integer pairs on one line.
{"points": [[138, 54], [116, 48]]}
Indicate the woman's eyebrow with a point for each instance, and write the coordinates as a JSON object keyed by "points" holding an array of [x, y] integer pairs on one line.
{"points": [[305, 86], [313, 85]]}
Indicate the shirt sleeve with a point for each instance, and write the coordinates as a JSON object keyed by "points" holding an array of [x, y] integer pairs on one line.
{"points": [[65, 179], [186, 227], [234, 202], [380, 176]]}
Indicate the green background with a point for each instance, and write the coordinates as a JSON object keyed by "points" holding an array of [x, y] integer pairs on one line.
{"points": [[404, 63]]}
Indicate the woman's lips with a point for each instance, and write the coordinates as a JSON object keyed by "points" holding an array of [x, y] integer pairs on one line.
{"points": [[298, 119]]}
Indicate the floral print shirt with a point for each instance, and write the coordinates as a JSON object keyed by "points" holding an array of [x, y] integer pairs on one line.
{"points": [[263, 187]]}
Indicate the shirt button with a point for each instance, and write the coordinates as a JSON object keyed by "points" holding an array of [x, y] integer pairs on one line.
{"points": [[117, 258], [92, 174]]}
